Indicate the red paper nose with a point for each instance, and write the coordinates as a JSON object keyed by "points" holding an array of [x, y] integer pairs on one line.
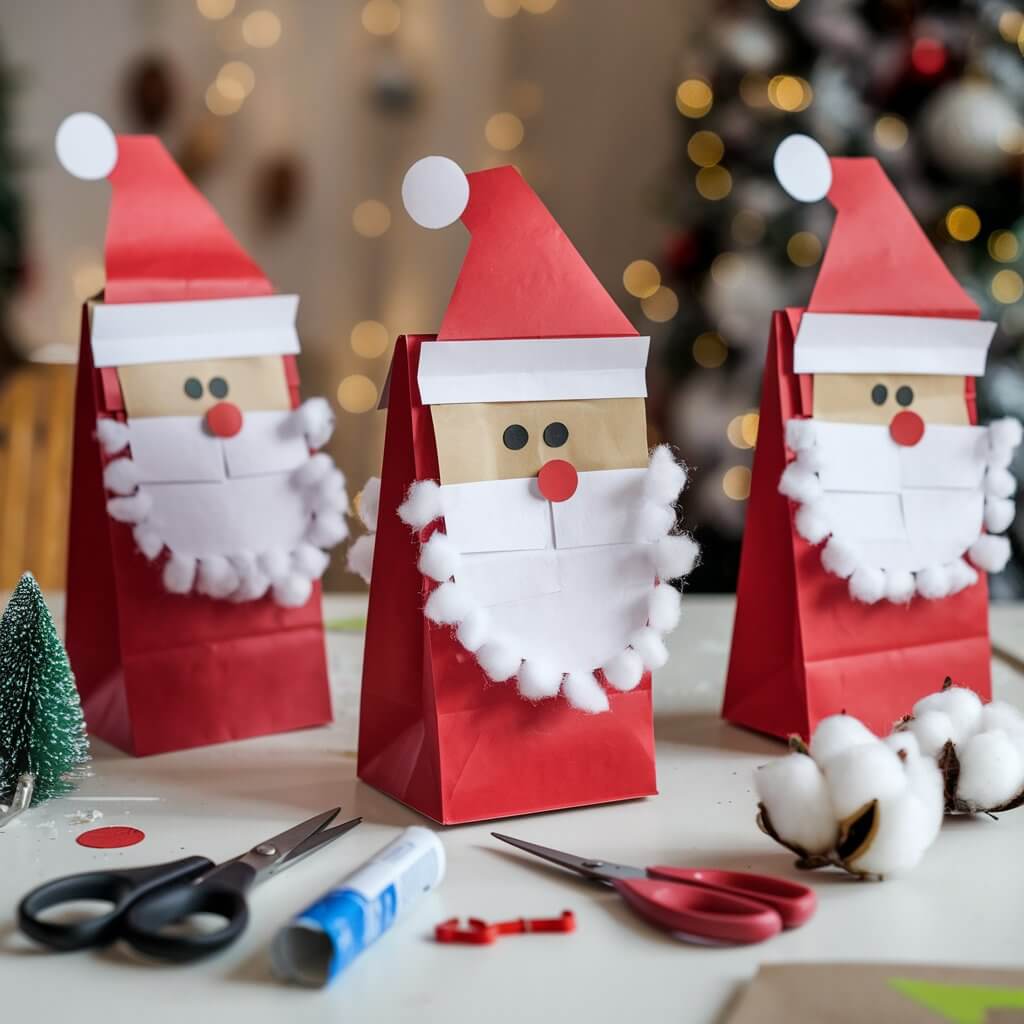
{"points": [[224, 419], [558, 480], [906, 428]]}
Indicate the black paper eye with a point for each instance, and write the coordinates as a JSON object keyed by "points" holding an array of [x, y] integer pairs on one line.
{"points": [[904, 395], [515, 437], [194, 387], [879, 393], [556, 434], [218, 387]]}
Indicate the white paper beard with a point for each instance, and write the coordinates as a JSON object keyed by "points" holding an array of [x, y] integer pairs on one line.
{"points": [[898, 519], [238, 516], [552, 592]]}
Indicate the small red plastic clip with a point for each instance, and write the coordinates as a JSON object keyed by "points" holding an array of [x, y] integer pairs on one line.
{"points": [[480, 933]]}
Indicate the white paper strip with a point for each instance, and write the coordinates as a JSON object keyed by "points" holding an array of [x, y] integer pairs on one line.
{"points": [[532, 370], [269, 442], [497, 515], [604, 509], [175, 449], [166, 332], [857, 457], [863, 343]]}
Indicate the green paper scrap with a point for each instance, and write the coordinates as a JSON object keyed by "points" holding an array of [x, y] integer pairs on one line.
{"points": [[355, 624], [961, 1004]]}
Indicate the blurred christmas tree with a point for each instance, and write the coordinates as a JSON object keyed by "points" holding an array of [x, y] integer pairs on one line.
{"points": [[935, 90], [12, 223]]}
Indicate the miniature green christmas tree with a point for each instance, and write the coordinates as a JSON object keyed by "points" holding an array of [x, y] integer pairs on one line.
{"points": [[42, 731]]}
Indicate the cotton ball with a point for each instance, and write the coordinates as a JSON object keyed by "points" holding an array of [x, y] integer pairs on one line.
{"points": [[839, 559], [313, 471], [991, 771], [331, 495], [179, 573], [801, 435], [327, 530], [651, 648], [121, 476], [252, 588], [310, 561], [624, 671], [867, 585], [655, 521], [293, 591], [422, 505], [812, 522], [217, 576], [934, 582], [904, 742], [990, 553], [906, 828], [538, 680], [665, 477], [861, 774], [133, 509], [796, 798], [811, 459], [435, 191], [900, 586], [584, 692], [369, 503], [148, 541], [927, 783], [675, 556], [498, 661], [474, 630], [448, 604], [439, 557], [999, 514], [933, 730], [317, 421], [999, 483], [800, 484], [802, 168], [961, 576], [275, 563], [1005, 433], [86, 146], [963, 706], [359, 557], [664, 608], [113, 435], [1000, 715], [838, 733]]}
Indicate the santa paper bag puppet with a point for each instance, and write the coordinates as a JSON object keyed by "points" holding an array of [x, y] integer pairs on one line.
{"points": [[200, 518], [525, 537], [877, 503]]}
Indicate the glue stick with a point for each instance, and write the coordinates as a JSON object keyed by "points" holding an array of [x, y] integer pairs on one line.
{"points": [[328, 935]]}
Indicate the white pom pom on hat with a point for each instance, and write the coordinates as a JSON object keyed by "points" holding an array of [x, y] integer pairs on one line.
{"points": [[803, 168], [86, 146], [435, 191]]}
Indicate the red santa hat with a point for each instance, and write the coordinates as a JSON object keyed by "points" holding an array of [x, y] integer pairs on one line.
{"points": [[178, 284], [527, 319], [884, 302]]}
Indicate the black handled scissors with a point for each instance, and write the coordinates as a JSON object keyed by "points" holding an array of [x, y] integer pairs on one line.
{"points": [[150, 902]]}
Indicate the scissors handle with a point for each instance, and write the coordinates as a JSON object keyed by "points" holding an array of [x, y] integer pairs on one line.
{"points": [[149, 924], [793, 902], [121, 888]]}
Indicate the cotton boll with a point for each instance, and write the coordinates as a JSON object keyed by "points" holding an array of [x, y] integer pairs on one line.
{"points": [[310, 561], [654, 521], [836, 734], [293, 591], [624, 671], [906, 828], [664, 608], [538, 681], [665, 477], [584, 692], [369, 503], [439, 557], [900, 586], [675, 556], [933, 729], [148, 541], [498, 661], [801, 434], [925, 781], [448, 604], [422, 504], [812, 522], [121, 476], [867, 585], [800, 484], [999, 514], [1000, 715], [217, 577], [999, 483], [133, 509], [860, 774], [474, 630], [179, 573], [651, 648], [990, 553], [934, 582], [312, 471], [1005, 433], [961, 576], [839, 559], [796, 798], [904, 742], [275, 563], [359, 557], [317, 421], [991, 770], [327, 530], [112, 434], [963, 706]]}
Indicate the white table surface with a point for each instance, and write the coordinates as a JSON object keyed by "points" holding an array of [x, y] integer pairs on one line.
{"points": [[960, 906]]}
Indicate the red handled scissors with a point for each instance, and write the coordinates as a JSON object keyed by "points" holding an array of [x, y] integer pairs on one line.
{"points": [[728, 907]]}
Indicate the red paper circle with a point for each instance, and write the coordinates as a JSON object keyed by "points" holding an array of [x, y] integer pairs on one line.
{"points": [[111, 837], [558, 480], [224, 419], [906, 428]]}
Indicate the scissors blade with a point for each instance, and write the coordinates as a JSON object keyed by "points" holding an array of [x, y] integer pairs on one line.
{"points": [[317, 841], [600, 870], [266, 857]]}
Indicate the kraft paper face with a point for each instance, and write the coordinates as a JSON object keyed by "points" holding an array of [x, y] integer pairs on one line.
{"points": [[598, 434], [159, 389], [848, 397]]}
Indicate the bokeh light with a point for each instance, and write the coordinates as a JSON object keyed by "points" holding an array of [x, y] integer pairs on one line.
{"points": [[641, 278], [1011, 24], [381, 17], [1007, 287], [694, 97], [749, 426], [371, 218], [891, 132], [705, 148], [783, 5], [504, 131], [1003, 246], [734, 433], [714, 182], [789, 93], [736, 483], [357, 393], [261, 29], [215, 10], [236, 80], [709, 350], [223, 105], [502, 8], [963, 224], [804, 249], [369, 339], [661, 306], [537, 6]]}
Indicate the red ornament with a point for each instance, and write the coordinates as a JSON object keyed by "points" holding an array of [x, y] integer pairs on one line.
{"points": [[928, 56], [680, 252]]}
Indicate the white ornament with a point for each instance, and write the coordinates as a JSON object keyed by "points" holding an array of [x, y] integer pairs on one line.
{"points": [[803, 168], [86, 146], [435, 191]]}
